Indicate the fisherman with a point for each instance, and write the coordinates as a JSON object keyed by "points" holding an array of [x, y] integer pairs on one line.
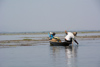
{"points": [[70, 36], [51, 35]]}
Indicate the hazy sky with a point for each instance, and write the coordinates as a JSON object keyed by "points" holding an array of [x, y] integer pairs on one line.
{"points": [[49, 15]]}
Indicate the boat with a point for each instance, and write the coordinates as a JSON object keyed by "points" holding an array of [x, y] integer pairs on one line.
{"points": [[59, 43]]}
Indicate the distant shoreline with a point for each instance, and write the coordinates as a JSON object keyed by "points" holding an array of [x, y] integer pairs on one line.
{"points": [[33, 33]]}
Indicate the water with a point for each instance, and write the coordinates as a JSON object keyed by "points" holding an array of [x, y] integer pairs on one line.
{"points": [[43, 55], [85, 55], [41, 36], [20, 37]]}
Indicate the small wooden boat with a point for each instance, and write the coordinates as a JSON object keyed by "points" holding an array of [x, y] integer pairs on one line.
{"points": [[59, 43]]}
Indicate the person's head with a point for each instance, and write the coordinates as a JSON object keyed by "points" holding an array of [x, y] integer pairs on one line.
{"points": [[65, 31], [54, 33], [75, 33], [51, 33]]}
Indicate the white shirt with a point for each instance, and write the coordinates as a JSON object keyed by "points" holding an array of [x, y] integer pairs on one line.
{"points": [[69, 36]]}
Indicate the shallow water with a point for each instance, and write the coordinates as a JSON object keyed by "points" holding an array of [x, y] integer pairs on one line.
{"points": [[85, 55], [20, 37], [39, 36], [43, 55]]}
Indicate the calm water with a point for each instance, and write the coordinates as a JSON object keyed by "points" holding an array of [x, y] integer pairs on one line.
{"points": [[20, 37], [36, 37], [87, 54]]}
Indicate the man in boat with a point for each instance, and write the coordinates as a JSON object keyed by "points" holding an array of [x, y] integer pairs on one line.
{"points": [[51, 35], [70, 36], [52, 38]]}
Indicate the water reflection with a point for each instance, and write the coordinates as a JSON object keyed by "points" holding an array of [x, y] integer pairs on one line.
{"points": [[71, 55], [64, 56]]}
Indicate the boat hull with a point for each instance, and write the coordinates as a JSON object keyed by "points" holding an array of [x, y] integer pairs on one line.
{"points": [[59, 43]]}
